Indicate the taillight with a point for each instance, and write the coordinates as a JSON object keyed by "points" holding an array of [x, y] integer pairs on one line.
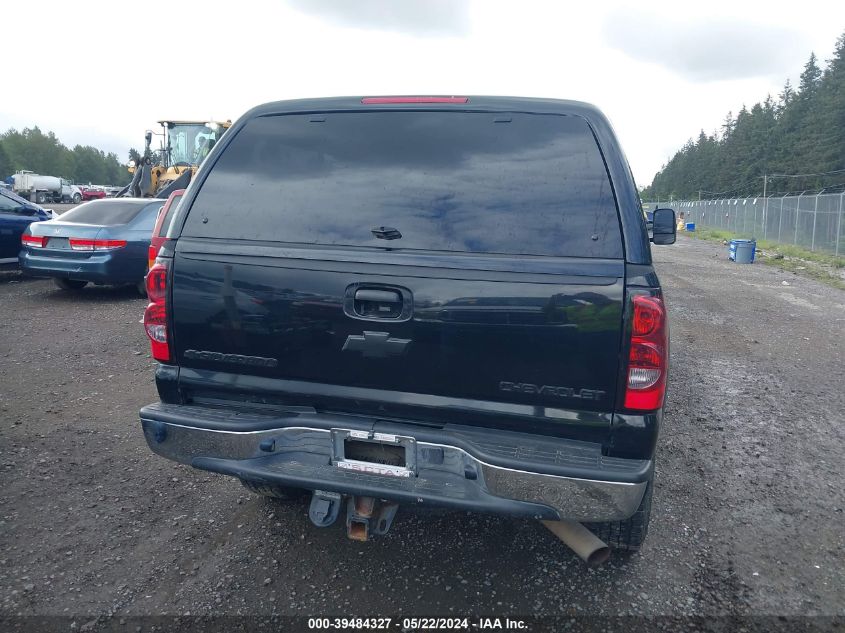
{"points": [[151, 256], [648, 359], [34, 241], [85, 244], [389, 100], [155, 316]]}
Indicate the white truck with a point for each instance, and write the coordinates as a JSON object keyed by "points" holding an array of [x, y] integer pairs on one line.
{"points": [[41, 189]]}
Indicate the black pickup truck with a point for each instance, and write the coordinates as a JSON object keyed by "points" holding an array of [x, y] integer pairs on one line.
{"points": [[444, 301]]}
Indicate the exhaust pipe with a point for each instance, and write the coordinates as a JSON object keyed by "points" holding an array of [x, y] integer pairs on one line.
{"points": [[590, 548]]}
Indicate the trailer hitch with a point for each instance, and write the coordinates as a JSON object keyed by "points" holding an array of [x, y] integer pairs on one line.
{"points": [[366, 516]]}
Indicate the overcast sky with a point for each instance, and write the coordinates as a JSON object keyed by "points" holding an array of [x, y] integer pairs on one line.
{"points": [[106, 71]]}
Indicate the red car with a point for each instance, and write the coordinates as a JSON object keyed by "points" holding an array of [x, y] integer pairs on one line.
{"points": [[92, 194], [165, 217]]}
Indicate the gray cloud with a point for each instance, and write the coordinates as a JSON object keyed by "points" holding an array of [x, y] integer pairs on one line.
{"points": [[412, 17], [706, 49]]}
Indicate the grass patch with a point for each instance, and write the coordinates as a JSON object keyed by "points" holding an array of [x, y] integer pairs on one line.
{"points": [[713, 235], [807, 268], [820, 266]]}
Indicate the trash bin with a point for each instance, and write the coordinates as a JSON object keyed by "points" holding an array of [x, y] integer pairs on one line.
{"points": [[690, 226], [742, 251]]}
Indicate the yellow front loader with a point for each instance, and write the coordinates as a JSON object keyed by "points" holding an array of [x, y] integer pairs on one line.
{"points": [[184, 145]]}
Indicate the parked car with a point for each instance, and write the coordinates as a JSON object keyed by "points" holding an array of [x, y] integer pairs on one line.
{"points": [[101, 242], [165, 217], [93, 194], [16, 214], [431, 301]]}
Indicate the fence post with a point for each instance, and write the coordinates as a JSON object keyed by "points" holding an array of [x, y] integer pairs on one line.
{"points": [[839, 223], [746, 217], [754, 224], [815, 214], [797, 215], [754, 219], [765, 219], [780, 219], [765, 206]]}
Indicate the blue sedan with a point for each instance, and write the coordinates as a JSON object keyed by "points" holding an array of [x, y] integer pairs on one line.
{"points": [[100, 242], [15, 215]]}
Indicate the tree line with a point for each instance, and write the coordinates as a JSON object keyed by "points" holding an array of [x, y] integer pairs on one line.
{"points": [[32, 150], [802, 132]]}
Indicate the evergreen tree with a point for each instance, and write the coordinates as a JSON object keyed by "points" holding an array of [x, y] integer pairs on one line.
{"points": [[728, 126], [786, 96], [33, 150], [810, 79], [6, 168], [831, 110], [802, 132]]}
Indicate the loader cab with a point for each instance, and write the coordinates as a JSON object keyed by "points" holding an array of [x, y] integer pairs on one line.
{"points": [[188, 142]]}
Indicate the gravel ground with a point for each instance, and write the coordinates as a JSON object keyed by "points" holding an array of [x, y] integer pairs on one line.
{"points": [[748, 507]]}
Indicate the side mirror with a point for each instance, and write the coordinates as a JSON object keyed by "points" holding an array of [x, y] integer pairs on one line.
{"points": [[664, 229]]}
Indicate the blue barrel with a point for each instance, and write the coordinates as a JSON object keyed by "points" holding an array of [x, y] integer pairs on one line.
{"points": [[690, 226], [742, 251]]}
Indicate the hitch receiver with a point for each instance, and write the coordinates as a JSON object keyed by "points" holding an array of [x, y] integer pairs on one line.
{"points": [[366, 516]]}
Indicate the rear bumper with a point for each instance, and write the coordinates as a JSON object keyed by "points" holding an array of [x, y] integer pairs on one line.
{"points": [[491, 471], [102, 268]]}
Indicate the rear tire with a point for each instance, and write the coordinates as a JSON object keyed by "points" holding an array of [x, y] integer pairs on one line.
{"points": [[273, 491], [141, 287], [627, 535], [70, 284]]}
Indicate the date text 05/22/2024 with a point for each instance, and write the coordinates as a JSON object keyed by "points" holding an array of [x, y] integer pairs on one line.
{"points": [[415, 624]]}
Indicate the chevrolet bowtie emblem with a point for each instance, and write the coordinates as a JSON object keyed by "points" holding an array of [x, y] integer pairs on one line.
{"points": [[376, 344]]}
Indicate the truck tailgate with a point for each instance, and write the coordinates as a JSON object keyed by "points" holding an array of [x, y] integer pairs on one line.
{"points": [[499, 341]]}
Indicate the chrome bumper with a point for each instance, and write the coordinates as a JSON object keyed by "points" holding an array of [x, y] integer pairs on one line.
{"points": [[439, 473]]}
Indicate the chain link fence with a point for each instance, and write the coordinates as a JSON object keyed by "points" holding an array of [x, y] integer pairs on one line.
{"points": [[812, 221]]}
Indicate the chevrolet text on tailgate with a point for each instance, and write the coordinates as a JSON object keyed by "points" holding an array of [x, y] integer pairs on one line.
{"points": [[444, 301]]}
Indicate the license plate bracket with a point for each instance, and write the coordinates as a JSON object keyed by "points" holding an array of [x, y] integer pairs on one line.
{"points": [[374, 453]]}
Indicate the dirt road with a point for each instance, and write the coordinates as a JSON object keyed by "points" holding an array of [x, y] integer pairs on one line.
{"points": [[748, 510]]}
